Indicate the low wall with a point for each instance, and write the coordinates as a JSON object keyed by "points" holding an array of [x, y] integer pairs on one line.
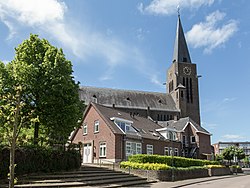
{"points": [[219, 171], [166, 175]]}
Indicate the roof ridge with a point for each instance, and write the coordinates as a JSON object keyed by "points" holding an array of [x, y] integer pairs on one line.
{"points": [[122, 90]]}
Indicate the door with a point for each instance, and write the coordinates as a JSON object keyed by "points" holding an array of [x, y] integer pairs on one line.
{"points": [[87, 153]]}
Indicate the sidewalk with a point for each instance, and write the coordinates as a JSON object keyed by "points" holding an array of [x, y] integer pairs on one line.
{"points": [[182, 183]]}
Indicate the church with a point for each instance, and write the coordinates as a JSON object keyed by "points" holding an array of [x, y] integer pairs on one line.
{"points": [[119, 123]]}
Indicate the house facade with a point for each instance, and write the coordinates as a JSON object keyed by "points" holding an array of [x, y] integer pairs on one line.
{"points": [[113, 135], [177, 110], [220, 146]]}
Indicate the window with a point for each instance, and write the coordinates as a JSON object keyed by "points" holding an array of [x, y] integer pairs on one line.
{"points": [[192, 139], [133, 148], [150, 149], [94, 99], [176, 152], [171, 135], [85, 129], [166, 151], [125, 126], [96, 128], [170, 151], [102, 149]]}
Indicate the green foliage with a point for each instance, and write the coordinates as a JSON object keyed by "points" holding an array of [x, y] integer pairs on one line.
{"points": [[177, 161], [32, 159], [49, 96], [156, 166], [229, 153], [219, 157], [215, 166], [145, 166]]}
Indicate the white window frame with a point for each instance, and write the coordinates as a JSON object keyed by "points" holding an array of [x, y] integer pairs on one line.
{"points": [[102, 149], [176, 152], [170, 151], [129, 148], [166, 151], [85, 129], [96, 126], [191, 139], [150, 149]]}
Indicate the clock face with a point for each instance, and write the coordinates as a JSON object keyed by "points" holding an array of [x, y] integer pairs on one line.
{"points": [[187, 70]]}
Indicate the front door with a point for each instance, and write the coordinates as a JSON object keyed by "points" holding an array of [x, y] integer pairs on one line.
{"points": [[87, 153]]}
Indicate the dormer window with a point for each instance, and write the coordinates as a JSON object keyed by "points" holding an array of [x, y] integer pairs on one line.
{"points": [[184, 59], [124, 125], [94, 99]]}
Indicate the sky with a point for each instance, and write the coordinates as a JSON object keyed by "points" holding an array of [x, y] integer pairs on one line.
{"points": [[129, 45]]}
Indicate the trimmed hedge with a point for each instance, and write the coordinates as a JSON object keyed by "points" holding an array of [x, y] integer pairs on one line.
{"points": [[156, 166], [144, 166], [177, 161], [39, 159]]}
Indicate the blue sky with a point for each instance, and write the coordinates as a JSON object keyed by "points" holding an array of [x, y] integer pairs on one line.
{"points": [[129, 45]]}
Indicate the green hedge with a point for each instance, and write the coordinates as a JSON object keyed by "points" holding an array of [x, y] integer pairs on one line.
{"points": [[145, 166], [177, 161], [39, 159], [156, 166]]}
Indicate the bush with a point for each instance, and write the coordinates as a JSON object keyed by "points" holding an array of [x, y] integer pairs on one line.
{"points": [[39, 159], [177, 161], [144, 166], [215, 166], [156, 166]]}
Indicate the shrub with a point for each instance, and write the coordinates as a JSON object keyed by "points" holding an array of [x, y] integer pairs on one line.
{"points": [[177, 161], [39, 159], [156, 166], [144, 166], [215, 166]]}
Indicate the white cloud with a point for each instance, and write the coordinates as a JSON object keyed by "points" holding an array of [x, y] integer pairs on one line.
{"points": [[233, 137], [209, 35], [169, 7], [210, 126], [49, 16]]}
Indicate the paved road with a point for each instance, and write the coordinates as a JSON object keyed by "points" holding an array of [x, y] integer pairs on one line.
{"points": [[236, 182]]}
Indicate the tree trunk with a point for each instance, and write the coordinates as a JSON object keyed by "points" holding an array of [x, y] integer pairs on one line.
{"points": [[12, 163], [13, 142], [36, 133]]}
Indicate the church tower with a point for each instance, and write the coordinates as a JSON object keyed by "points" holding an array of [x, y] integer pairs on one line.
{"points": [[182, 79]]}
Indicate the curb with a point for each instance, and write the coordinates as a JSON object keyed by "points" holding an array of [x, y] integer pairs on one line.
{"points": [[207, 180]]}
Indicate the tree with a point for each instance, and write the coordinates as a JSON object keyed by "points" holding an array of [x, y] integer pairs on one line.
{"points": [[14, 111], [56, 103], [230, 152], [37, 90]]}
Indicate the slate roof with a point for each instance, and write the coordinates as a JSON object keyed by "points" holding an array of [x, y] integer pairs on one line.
{"points": [[145, 127], [128, 98], [180, 47], [180, 125]]}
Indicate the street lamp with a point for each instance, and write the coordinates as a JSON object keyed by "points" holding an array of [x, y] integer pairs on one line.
{"points": [[172, 152]]}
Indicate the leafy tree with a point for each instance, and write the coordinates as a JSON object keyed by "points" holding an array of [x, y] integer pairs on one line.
{"points": [[219, 157], [230, 152], [37, 91], [56, 103], [14, 111]]}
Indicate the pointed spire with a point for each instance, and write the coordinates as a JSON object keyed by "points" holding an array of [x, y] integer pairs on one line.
{"points": [[181, 53]]}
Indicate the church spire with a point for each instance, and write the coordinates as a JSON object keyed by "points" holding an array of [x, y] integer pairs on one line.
{"points": [[181, 53]]}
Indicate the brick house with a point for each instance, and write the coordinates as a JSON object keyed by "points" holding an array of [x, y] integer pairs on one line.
{"points": [[177, 110], [111, 134]]}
